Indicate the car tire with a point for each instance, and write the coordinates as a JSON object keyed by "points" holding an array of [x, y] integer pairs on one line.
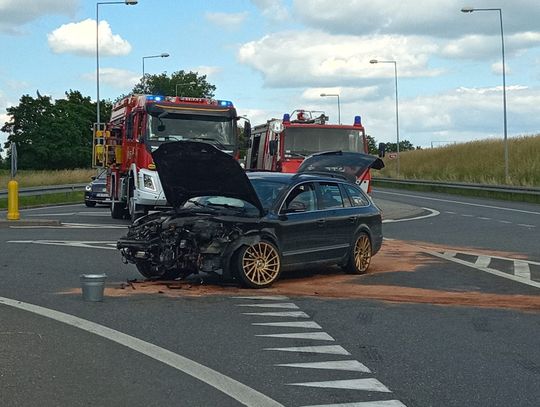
{"points": [[90, 204], [258, 265], [118, 211], [360, 254]]}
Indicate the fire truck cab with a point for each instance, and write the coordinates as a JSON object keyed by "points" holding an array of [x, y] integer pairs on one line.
{"points": [[282, 144], [139, 124]]}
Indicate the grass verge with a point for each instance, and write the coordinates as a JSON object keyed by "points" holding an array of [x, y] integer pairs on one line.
{"points": [[47, 199], [506, 196]]}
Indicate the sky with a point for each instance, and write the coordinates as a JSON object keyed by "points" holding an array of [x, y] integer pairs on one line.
{"points": [[270, 57]]}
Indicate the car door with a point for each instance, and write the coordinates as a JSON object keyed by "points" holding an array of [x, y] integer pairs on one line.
{"points": [[339, 218], [301, 227]]}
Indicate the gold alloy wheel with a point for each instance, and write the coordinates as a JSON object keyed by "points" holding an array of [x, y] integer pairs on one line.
{"points": [[362, 253], [260, 264]]}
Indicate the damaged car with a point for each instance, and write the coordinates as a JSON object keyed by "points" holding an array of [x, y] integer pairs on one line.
{"points": [[250, 227]]}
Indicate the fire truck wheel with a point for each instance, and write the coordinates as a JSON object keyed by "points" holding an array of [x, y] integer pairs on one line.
{"points": [[117, 209], [258, 265], [360, 254]]}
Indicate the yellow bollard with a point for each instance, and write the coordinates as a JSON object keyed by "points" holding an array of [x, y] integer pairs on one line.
{"points": [[13, 200]]}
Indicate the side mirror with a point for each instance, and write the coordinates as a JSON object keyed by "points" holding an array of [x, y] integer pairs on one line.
{"points": [[382, 149], [247, 130], [93, 177], [272, 146]]}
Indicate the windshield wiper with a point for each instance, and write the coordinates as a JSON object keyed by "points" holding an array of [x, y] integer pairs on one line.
{"points": [[295, 154]]}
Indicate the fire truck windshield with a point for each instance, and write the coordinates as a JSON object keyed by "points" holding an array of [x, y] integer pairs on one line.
{"points": [[305, 141], [217, 129]]}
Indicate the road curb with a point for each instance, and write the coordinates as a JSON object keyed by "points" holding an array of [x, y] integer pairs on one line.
{"points": [[25, 222]]}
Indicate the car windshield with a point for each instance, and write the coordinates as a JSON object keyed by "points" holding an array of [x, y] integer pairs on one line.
{"points": [[267, 190], [216, 129], [306, 141], [222, 202]]}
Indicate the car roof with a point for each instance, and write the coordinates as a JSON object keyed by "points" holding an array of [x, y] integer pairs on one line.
{"points": [[287, 178]]}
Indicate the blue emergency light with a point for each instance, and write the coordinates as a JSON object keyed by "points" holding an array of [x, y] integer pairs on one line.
{"points": [[357, 121], [286, 118], [226, 103], [155, 98]]}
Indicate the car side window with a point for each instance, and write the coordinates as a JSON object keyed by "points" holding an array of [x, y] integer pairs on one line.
{"points": [[302, 196], [357, 197], [330, 196]]}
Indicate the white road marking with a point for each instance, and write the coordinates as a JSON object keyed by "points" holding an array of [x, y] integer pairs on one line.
{"points": [[287, 305], [107, 245], [291, 314], [482, 261], [263, 297], [433, 213], [294, 324], [466, 215], [484, 218], [522, 269], [450, 253], [354, 384], [505, 221], [451, 213], [238, 391], [72, 226], [382, 403], [460, 202], [54, 214], [349, 365], [486, 269], [329, 349], [526, 225], [316, 336], [51, 207]]}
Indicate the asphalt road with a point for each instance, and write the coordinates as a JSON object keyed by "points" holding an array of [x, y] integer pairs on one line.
{"points": [[383, 354]]}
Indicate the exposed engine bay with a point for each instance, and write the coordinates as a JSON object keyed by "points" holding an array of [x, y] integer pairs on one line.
{"points": [[172, 245]]}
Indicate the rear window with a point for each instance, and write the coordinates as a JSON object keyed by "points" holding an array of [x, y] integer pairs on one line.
{"points": [[330, 196], [357, 196]]}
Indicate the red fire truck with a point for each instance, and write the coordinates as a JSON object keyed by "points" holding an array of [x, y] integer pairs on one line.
{"points": [[282, 145], [139, 124]]}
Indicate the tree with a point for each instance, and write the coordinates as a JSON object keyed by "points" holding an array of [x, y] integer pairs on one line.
{"points": [[372, 145], [53, 134], [189, 84], [404, 145]]}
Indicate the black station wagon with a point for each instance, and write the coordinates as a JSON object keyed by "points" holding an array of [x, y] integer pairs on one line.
{"points": [[250, 227]]}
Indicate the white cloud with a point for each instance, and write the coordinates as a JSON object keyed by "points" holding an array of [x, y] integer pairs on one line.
{"points": [[314, 58], [274, 10], [441, 18], [227, 20], [206, 70], [80, 39], [117, 78], [16, 13]]}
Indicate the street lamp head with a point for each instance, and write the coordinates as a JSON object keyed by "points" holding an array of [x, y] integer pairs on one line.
{"points": [[130, 2], [323, 94], [374, 61], [467, 9], [164, 55]]}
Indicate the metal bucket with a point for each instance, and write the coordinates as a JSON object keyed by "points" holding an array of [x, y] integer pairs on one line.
{"points": [[93, 286]]}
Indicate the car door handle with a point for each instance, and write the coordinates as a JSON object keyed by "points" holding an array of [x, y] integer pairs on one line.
{"points": [[321, 222], [352, 219]]}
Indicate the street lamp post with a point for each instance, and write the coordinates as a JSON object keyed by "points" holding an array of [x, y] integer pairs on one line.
{"points": [[183, 84], [376, 61], [164, 55], [338, 104], [470, 10], [127, 3]]}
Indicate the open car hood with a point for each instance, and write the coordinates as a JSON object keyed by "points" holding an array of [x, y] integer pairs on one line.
{"points": [[348, 164], [189, 169]]}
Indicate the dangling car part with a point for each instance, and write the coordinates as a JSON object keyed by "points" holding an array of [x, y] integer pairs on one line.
{"points": [[250, 227]]}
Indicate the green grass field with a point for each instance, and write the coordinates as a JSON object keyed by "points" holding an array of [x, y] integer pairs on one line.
{"points": [[479, 162], [43, 178]]}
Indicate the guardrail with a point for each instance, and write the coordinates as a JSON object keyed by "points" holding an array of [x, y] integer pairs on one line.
{"points": [[461, 185], [49, 189]]}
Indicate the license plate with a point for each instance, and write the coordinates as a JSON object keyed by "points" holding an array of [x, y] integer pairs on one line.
{"points": [[102, 195]]}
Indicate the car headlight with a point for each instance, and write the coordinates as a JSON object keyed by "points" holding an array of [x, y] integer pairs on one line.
{"points": [[148, 182], [88, 188]]}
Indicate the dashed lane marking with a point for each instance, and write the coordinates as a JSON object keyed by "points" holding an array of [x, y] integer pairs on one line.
{"points": [[328, 349], [239, 391], [348, 365], [269, 297], [354, 384], [382, 403], [482, 261], [290, 314], [91, 244], [294, 324], [522, 269], [315, 336], [287, 305]]}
